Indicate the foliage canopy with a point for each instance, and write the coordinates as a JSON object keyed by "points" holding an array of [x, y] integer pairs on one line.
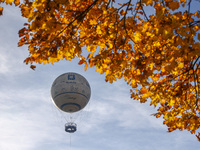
{"points": [[152, 44]]}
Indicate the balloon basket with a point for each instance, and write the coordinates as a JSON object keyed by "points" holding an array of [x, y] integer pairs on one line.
{"points": [[70, 127]]}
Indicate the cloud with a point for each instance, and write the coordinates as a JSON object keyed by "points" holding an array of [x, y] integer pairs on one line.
{"points": [[24, 122], [11, 56], [117, 105]]}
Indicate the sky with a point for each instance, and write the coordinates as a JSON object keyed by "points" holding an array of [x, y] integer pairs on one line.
{"points": [[111, 121]]}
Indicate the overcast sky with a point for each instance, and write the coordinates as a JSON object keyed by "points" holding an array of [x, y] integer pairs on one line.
{"points": [[111, 120]]}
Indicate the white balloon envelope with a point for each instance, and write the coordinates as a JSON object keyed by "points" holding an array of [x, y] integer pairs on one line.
{"points": [[70, 92]]}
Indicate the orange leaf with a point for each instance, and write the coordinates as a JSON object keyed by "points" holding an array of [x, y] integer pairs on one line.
{"points": [[33, 67], [81, 62], [143, 90], [1, 10]]}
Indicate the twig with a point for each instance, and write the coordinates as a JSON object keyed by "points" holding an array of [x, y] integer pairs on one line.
{"points": [[81, 16]]}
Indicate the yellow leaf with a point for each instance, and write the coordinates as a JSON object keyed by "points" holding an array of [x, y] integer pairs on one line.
{"points": [[134, 84], [156, 78], [86, 66], [91, 48], [181, 65], [9, 2], [137, 37], [110, 78], [148, 2], [107, 71], [171, 102], [151, 66], [99, 30], [93, 22], [138, 72], [146, 95], [163, 69], [105, 12], [157, 44]]}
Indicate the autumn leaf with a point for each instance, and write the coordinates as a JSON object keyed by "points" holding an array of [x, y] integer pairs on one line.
{"points": [[143, 90], [181, 65], [33, 67], [148, 2], [9, 2], [110, 78], [156, 77], [1, 10], [198, 137], [174, 5], [17, 2], [81, 62]]}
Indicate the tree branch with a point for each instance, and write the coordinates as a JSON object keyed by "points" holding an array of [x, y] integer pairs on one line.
{"points": [[79, 17]]}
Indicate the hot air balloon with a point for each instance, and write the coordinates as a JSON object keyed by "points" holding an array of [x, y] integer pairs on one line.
{"points": [[70, 93]]}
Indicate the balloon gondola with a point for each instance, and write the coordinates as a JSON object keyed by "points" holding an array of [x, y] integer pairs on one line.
{"points": [[70, 127], [70, 93]]}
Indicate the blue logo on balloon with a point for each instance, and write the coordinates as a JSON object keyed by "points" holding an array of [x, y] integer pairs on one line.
{"points": [[71, 77]]}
